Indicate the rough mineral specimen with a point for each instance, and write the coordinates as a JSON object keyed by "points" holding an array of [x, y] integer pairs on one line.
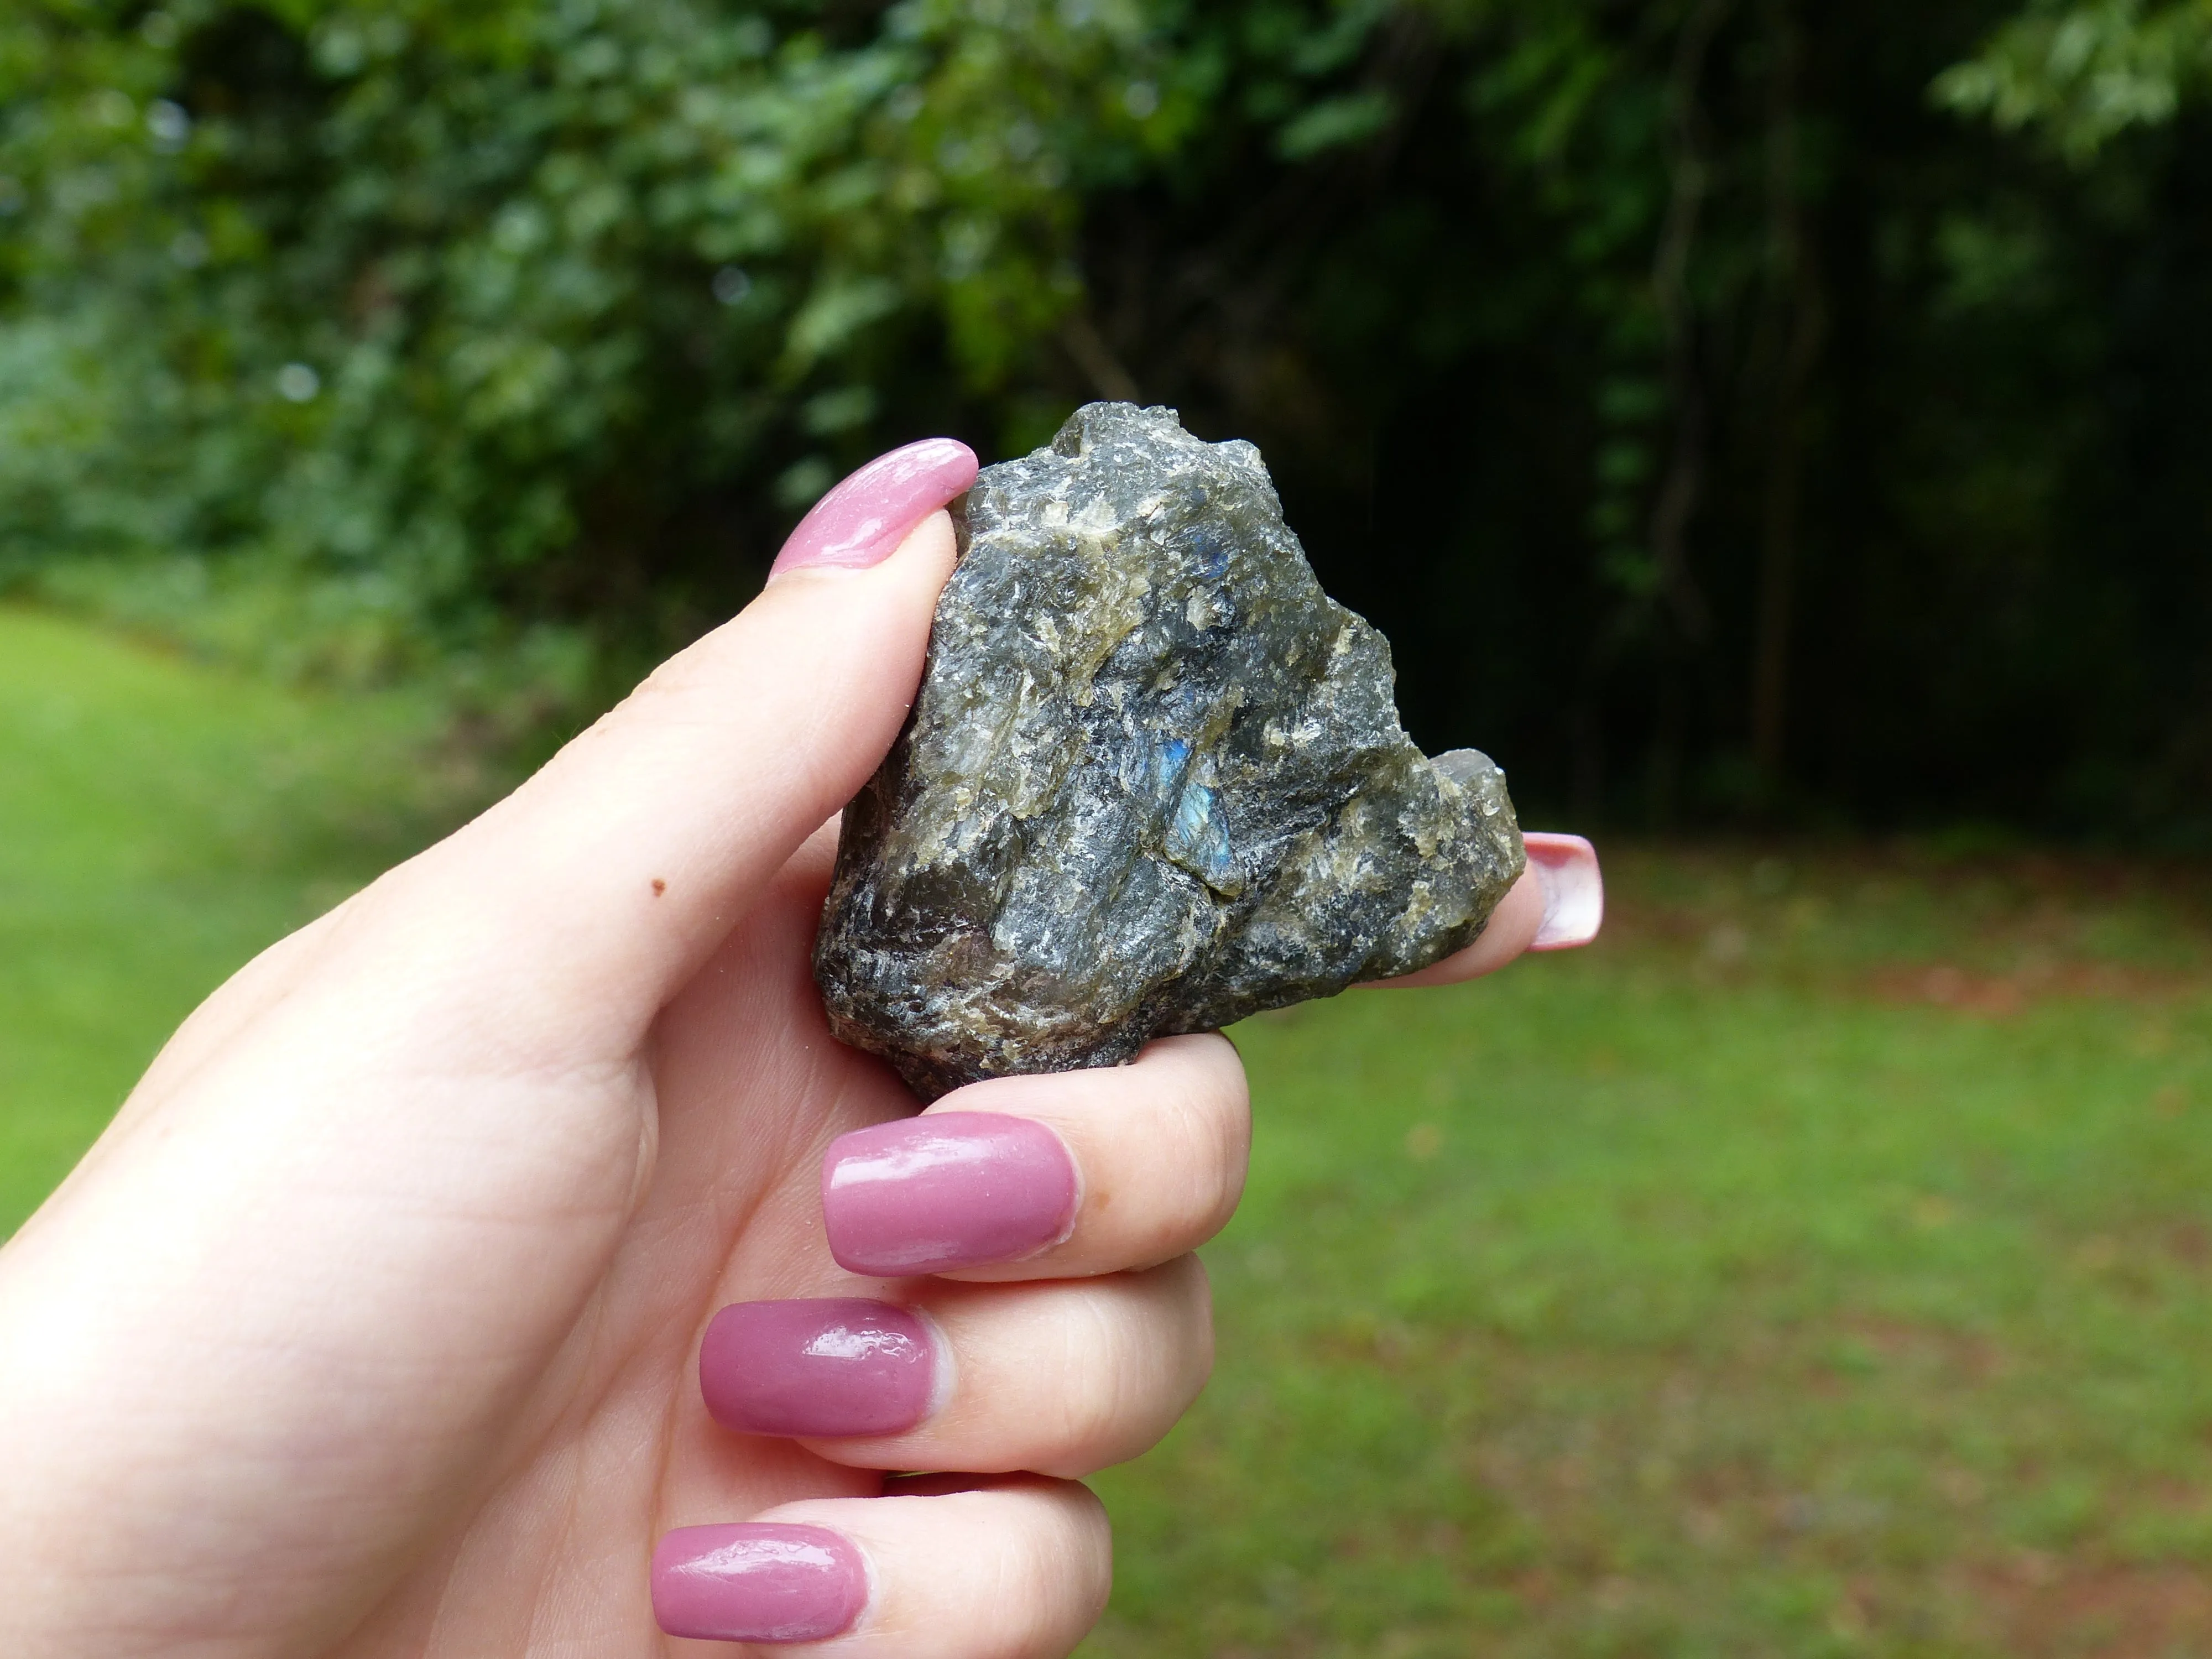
{"points": [[1154, 781]]}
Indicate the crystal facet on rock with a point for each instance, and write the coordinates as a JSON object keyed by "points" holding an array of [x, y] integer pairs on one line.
{"points": [[1154, 781]]}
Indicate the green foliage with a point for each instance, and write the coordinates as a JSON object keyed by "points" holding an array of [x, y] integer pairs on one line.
{"points": [[1717, 424], [389, 329], [418, 302], [2086, 73]]}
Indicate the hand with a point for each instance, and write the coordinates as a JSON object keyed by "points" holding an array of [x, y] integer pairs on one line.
{"points": [[378, 1322]]}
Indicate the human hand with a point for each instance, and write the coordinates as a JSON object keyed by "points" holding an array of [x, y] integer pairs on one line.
{"points": [[378, 1322]]}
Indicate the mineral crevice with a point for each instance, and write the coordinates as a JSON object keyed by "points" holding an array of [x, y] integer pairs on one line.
{"points": [[1154, 781]]}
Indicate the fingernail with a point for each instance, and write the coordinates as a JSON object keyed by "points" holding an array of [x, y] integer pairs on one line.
{"points": [[836, 1366], [860, 521], [945, 1190], [1574, 891], [757, 1582]]}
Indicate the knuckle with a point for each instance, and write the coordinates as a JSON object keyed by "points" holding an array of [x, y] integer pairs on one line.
{"points": [[1095, 1386], [1134, 1355], [1219, 1126]]}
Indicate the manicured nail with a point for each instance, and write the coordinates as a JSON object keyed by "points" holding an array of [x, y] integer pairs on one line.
{"points": [[945, 1190], [1574, 891], [757, 1582], [860, 521], [837, 1366]]}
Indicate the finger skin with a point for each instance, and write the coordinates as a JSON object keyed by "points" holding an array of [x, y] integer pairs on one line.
{"points": [[1160, 1147], [1063, 1379], [1017, 1570], [659, 826]]}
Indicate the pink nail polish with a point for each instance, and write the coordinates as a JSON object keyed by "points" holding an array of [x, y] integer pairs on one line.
{"points": [[757, 1582], [832, 1367], [860, 521], [1574, 890], [945, 1190]]}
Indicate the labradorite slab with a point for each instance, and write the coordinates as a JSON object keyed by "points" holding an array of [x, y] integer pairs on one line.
{"points": [[1154, 781]]}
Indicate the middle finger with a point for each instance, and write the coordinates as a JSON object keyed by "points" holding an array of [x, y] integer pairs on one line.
{"points": [[1048, 1177]]}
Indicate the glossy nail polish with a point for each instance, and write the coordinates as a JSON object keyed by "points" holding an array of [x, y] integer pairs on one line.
{"points": [[860, 521], [945, 1190], [1574, 890], [832, 1367], [757, 1582]]}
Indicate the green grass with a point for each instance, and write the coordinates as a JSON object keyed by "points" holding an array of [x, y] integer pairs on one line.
{"points": [[1822, 1266], [159, 822], [1818, 1266]]}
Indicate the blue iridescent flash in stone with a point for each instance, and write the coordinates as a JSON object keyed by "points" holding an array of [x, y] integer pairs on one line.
{"points": [[1198, 840], [1209, 551], [1168, 763]]}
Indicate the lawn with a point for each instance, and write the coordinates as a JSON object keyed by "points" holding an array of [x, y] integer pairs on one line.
{"points": [[159, 823], [1822, 1265]]}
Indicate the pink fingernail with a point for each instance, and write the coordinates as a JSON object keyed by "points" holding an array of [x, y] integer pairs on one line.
{"points": [[860, 521], [834, 1366], [1574, 891], [945, 1190], [757, 1582]]}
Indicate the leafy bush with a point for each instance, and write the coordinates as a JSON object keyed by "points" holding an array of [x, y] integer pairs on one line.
{"points": [[1717, 422], [437, 316]]}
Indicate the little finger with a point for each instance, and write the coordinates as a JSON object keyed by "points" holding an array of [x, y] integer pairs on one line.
{"points": [[1017, 1570]]}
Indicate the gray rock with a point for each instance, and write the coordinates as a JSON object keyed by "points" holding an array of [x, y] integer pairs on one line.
{"points": [[1154, 781]]}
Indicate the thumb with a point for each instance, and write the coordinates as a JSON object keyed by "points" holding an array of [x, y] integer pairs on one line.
{"points": [[582, 902]]}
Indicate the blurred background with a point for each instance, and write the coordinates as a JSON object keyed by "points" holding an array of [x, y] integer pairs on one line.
{"points": [[1766, 427]]}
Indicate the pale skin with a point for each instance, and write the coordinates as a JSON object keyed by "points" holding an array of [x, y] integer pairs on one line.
{"points": [[369, 1327]]}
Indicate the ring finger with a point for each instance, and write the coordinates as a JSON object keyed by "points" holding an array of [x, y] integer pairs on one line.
{"points": [[1061, 1378]]}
